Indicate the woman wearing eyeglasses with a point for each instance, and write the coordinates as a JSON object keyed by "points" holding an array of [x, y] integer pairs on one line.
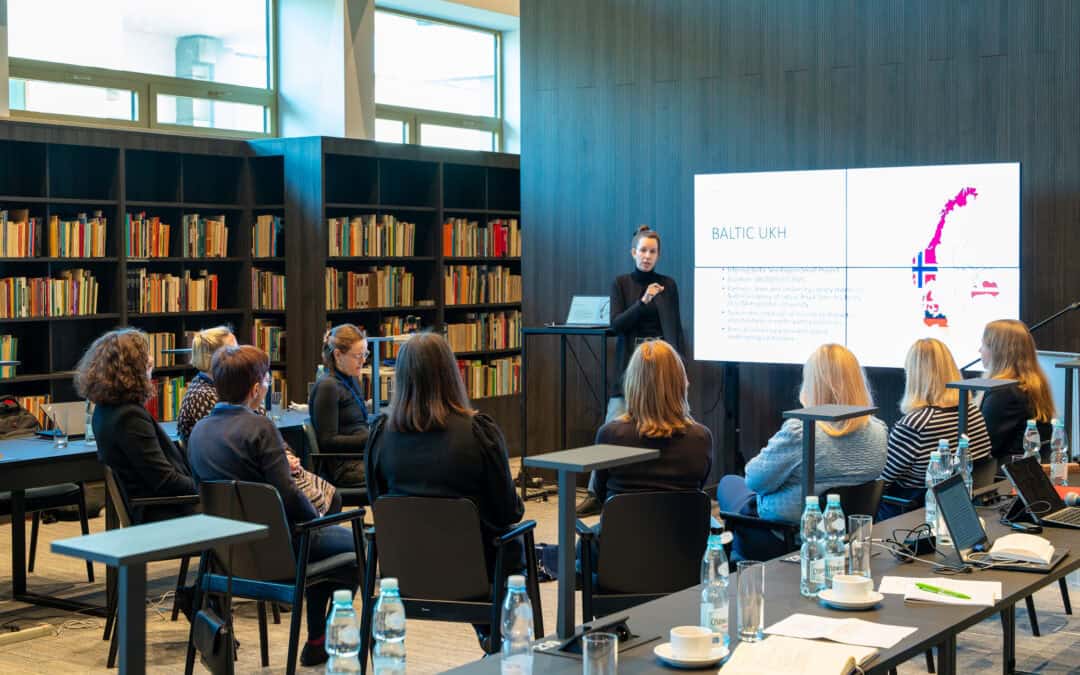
{"points": [[336, 404]]}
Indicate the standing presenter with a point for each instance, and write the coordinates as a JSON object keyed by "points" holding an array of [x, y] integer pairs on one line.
{"points": [[644, 306]]}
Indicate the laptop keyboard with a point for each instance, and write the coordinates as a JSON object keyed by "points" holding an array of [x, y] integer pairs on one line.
{"points": [[1067, 516]]}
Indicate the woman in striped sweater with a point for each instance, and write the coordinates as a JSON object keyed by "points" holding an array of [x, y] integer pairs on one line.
{"points": [[931, 413]]}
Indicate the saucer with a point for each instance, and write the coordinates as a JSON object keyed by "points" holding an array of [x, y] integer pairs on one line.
{"points": [[829, 599], [664, 653]]}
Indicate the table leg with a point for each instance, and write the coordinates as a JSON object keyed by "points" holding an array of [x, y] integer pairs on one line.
{"points": [[946, 656], [567, 576], [1008, 642], [961, 413], [18, 542], [132, 604], [112, 522], [562, 393]]}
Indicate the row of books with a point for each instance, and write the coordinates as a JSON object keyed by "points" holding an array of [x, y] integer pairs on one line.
{"points": [[388, 286], [268, 237], [473, 284], [499, 377], [20, 235], [499, 239], [386, 382], [391, 325], [32, 405], [71, 292], [9, 348], [267, 290], [162, 292], [160, 342], [204, 237], [278, 383], [485, 331], [371, 235], [269, 337], [164, 403], [146, 237]]}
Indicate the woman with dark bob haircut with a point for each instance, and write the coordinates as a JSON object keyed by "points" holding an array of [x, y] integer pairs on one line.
{"points": [[114, 374]]}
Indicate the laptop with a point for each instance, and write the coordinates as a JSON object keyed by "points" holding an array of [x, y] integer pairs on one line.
{"points": [[1042, 502], [68, 417], [968, 536], [589, 311]]}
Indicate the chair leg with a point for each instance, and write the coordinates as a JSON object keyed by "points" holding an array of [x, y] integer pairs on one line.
{"points": [[34, 522], [534, 584], [110, 620], [368, 606], [276, 611], [1065, 600], [113, 644], [264, 647], [181, 581], [1032, 616], [84, 524], [197, 603], [298, 603], [930, 661]]}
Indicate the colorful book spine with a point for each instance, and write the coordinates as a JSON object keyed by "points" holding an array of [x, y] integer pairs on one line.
{"points": [[466, 238], [477, 284], [485, 332], [72, 292], [20, 235], [204, 237], [83, 237], [370, 235], [9, 349], [146, 237], [33, 405], [388, 286], [159, 342], [156, 292], [268, 237], [499, 377], [164, 403], [269, 337], [267, 290]]}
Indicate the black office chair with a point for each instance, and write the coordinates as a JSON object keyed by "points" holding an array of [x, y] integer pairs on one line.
{"points": [[124, 508], [434, 547], [650, 544], [270, 569], [45, 498], [350, 495]]}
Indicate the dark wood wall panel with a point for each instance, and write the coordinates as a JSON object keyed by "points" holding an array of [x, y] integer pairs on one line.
{"points": [[625, 100]]}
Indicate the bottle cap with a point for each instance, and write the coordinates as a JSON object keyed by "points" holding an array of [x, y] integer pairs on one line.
{"points": [[1031, 423], [832, 500], [1057, 423], [942, 444], [388, 584], [516, 581], [343, 596], [812, 501], [935, 455]]}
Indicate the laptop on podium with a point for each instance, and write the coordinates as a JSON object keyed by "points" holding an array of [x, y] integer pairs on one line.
{"points": [[589, 311], [1037, 493]]}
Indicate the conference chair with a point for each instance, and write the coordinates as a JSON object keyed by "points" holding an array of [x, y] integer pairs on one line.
{"points": [[648, 545], [270, 569], [45, 498], [350, 495], [434, 547], [125, 506]]}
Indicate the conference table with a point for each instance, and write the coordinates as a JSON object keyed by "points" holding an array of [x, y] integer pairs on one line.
{"points": [[938, 625]]}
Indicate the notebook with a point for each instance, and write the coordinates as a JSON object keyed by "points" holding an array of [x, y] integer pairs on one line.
{"points": [[780, 655]]}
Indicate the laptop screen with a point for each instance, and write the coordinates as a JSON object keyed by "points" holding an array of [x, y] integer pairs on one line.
{"points": [[955, 506], [1033, 485]]}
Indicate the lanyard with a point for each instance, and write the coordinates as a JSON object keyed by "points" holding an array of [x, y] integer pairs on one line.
{"points": [[350, 384]]}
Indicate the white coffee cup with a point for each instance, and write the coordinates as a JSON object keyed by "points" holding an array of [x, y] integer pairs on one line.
{"points": [[851, 587], [689, 642]]}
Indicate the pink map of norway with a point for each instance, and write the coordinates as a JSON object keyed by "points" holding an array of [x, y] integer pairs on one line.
{"points": [[924, 265]]}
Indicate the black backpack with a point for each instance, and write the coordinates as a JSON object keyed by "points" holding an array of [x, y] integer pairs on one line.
{"points": [[14, 419]]}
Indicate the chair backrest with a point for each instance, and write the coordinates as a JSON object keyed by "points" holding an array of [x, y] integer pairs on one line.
{"points": [[269, 559], [984, 471], [434, 546], [652, 542], [118, 498], [863, 498], [310, 438]]}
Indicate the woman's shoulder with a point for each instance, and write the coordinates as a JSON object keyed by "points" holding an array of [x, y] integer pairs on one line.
{"points": [[484, 428], [876, 429]]}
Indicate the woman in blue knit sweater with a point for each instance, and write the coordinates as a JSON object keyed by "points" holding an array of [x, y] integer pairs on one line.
{"points": [[850, 452]]}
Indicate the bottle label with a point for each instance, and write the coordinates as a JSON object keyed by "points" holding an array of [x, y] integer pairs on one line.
{"points": [[834, 565], [714, 618], [817, 572]]}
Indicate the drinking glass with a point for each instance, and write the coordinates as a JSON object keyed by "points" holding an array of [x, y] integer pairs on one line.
{"points": [[60, 427], [860, 528], [751, 600], [275, 405], [600, 654]]}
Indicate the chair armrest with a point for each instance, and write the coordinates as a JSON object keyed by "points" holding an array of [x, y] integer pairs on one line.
{"points": [[519, 530], [583, 530], [897, 501], [176, 500], [332, 519], [756, 523]]}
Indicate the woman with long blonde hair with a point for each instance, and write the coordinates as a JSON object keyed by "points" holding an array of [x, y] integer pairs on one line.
{"points": [[931, 413], [849, 453], [1008, 352]]}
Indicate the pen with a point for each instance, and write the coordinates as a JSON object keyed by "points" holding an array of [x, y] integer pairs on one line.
{"points": [[941, 591]]}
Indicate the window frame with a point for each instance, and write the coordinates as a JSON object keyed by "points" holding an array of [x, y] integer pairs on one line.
{"points": [[147, 87], [414, 118]]}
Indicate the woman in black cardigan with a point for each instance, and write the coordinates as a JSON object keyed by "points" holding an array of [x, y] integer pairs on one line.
{"points": [[336, 404], [114, 373]]}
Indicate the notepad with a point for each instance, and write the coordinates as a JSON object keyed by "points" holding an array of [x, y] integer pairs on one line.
{"points": [[780, 655], [1023, 547], [847, 631], [982, 593]]}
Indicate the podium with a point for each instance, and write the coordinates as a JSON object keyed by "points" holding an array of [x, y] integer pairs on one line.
{"points": [[563, 332], [969, 385], [820, 413], [1070, 368]]}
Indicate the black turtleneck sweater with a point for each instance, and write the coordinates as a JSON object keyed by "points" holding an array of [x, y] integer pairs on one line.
{"points": [[632, 319], [648, 324]]}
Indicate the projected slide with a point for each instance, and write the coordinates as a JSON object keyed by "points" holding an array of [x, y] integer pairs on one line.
{"points": [[870, 258]]}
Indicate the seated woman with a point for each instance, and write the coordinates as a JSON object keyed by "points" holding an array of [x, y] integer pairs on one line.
{"points": [[236, 443], [431, 443], [931, 413], [336, 404], [201, 397], [114, 373], [850, 452], [1008, 352], [657, 416]]}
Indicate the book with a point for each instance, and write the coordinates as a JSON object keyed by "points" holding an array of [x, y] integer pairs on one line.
{"points": [[486, 331], [269, 336], [477, 284], [72, 292], [781, 655], [9, 349], [204, 237], [370, 235], [267, 289], [164, 403], [83, 237], [268, 237], [146, 237], [1022, 547], [388, 286], [156, 292], [20, 235], [466, 238], [33, 405], [498, 377], [160, 342]]}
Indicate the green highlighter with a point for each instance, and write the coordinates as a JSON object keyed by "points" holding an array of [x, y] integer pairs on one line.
{"points": [[941, 591]]}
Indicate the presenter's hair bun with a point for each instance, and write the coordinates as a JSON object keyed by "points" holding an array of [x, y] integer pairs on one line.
{"points": [[645, 232]]}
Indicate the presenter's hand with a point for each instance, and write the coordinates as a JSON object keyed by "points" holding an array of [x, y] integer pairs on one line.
{"points": [[651, 292]]}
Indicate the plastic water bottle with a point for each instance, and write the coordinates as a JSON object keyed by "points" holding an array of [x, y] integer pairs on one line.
{"points": [[389, 630], [834, 527], [961, 462], [1032, 440], [1059, 454], [342, 636], [714, 592], [812, 554], [934, 470], [88, 438], [517, 629], [946, 457]]}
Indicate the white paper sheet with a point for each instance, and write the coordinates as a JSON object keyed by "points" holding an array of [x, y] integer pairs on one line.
{"points": [[846, 631]]}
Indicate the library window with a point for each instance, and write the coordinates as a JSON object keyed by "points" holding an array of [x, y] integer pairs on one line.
{"points": [[448, 93], [150, 63]]}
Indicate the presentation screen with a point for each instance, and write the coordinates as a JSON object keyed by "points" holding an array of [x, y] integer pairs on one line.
{"points": [[869, 258]]}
